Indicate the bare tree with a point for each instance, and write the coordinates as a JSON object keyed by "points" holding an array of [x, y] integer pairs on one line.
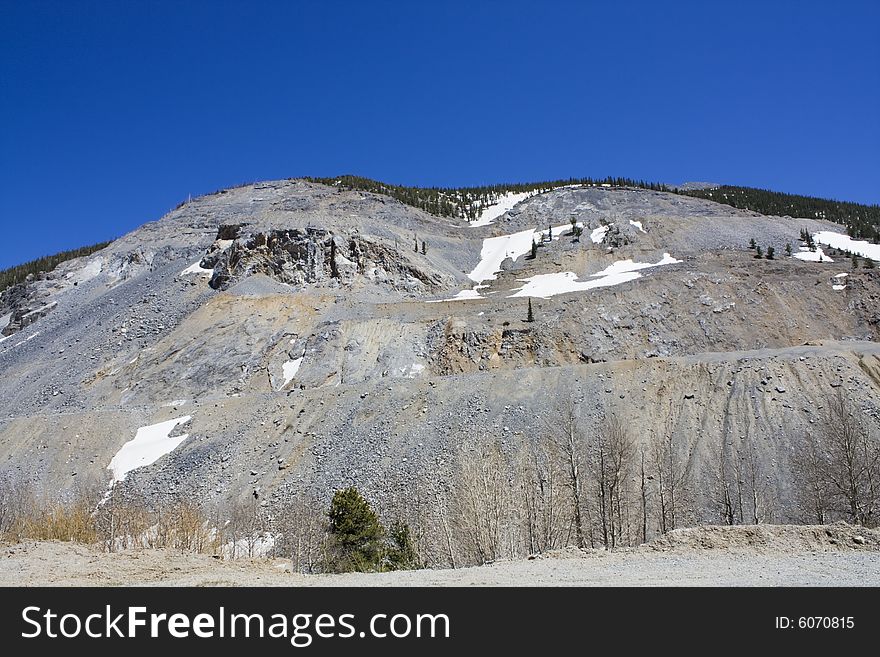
{"points": [[543, 503], [303, 533], [673, 475], [568, 439], [482, 508], [840, 469], [719, 483], [810, 466], [611, 466]]}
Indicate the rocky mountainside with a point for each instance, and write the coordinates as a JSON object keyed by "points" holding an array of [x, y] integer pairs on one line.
{"points": [[307, 337]]}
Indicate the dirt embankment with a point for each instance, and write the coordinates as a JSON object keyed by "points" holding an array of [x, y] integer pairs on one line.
{"points": [[765, 555]]}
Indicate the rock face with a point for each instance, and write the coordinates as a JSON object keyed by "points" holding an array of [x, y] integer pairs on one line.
{"points": [[316, 257], [292, 322]]}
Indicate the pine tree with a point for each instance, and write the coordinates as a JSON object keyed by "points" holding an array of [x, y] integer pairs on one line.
{"points": [[534, 249], [531, 315], [550, 233], [855, 261], [416, 247], [759, 252], [869, 263], [424, 248], [752, 244], [355, 532], [770, 252], [402, 553], [788, 250]]}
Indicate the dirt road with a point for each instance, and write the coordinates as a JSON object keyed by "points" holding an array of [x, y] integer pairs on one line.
{"points": [[836, 555]]}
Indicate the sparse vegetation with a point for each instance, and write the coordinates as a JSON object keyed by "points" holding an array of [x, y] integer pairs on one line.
{"points": [[19, 273], [861, 221], [467, 202]]}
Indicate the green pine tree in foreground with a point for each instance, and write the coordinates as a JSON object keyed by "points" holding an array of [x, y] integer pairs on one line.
{"points": [[356, 535], [359, 541]]}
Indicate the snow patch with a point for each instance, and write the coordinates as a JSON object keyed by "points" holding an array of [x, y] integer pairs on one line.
{"points": [[548, 285], [502, 205], [473, 293], [637, 224], [812, 256], [598, 234], [290, 368], [846, 243], [196, 268], [497, 249], [838, 287], [412, 371], [623, 266], [843, 275], [174, 402], [149, 444]]}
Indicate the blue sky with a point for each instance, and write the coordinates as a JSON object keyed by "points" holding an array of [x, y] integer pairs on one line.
{"points": [[113, 112]]}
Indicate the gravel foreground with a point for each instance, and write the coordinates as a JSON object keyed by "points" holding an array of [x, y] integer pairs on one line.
{"points": [[834, 555]]}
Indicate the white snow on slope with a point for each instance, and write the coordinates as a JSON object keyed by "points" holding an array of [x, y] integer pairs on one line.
{"points": [[637, 224], [412, 371], [622, 266], [846, 243], [149, 444], [496, 249], [504, 203], [838, 287], [598, 234], [290, 368], [843, 275], [548, 285], [463, 295], [812, 256], [196, 268]]}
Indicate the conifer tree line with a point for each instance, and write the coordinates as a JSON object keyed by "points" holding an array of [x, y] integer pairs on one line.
{"points": [[468, 202], [862, 221], [19, 273]]}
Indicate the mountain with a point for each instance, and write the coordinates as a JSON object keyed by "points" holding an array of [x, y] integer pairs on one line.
{"points": [[282, 340]]}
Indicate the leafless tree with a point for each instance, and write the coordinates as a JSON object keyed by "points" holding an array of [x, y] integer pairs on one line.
{"points": [[719, 484], [302, 529], [482, 503], [567, 436], [839, 468], [544, 507], [810, 465], [611, 466]]}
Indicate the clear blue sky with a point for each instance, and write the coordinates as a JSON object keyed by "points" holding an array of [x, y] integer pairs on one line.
{"points": [[113, 112]]}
